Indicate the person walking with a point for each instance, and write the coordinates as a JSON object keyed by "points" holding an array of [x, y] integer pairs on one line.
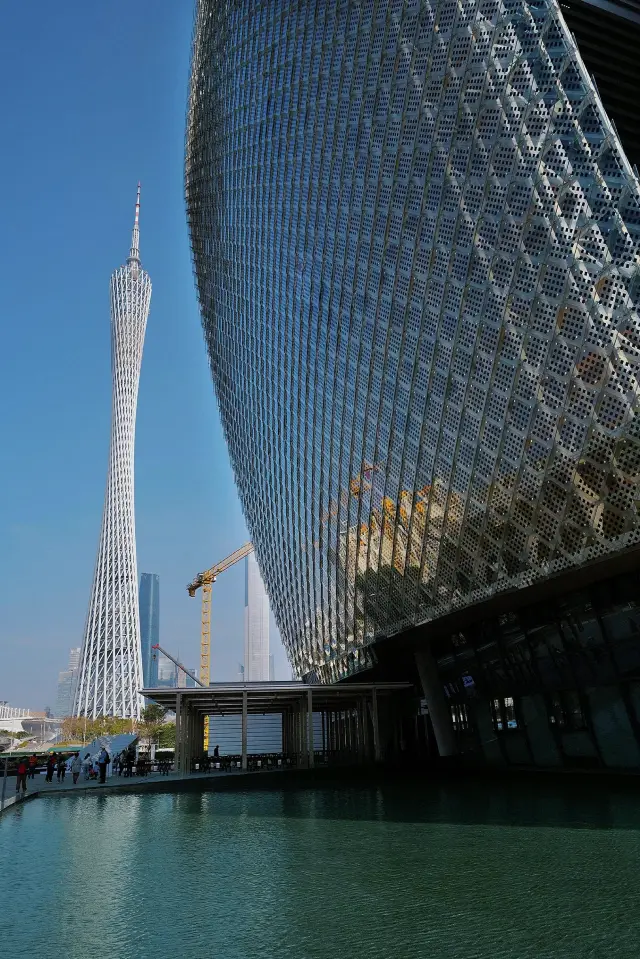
{"points": [[76, 767], [62, 768], [86, 766], [131, 755], [103, 762], [21, 776], [122, 762], [51, 765], [33, 762]]}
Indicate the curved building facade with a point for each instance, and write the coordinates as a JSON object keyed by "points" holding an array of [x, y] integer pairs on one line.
{"points": [[415, 236]]}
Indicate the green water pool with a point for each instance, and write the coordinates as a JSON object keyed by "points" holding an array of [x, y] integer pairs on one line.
{"points": [[398, 871]]}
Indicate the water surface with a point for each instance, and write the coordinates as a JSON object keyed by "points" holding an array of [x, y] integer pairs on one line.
{"points": [[463, 871]]}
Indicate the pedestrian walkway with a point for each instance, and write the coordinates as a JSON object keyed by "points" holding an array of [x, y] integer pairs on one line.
{"points": [[38, 786]]}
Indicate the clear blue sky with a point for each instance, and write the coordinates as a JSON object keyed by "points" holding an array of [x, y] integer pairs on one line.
{"points": [[94, 100]]}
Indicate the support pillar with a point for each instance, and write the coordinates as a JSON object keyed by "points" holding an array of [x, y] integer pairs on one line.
{"points": [[439, 711], [302, 732], [310, 755], [374, 721], [245, 764], [188, 740], [200, 723], [360, 718], [352, 734], [177, 756], [364, 710]]}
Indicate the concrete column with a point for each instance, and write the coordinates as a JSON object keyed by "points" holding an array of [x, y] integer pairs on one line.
{"points": [[310, 755], [291, 733], [366, 729], [200, 737], [374, 721], [439, 711], [302, 732], [188, 739], [291, 740], [347, 732], [353, 747], [177, 756], [360, 726], [245, 763]]}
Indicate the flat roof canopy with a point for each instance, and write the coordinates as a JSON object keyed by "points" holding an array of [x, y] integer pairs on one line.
{"points": [[226, 698]]}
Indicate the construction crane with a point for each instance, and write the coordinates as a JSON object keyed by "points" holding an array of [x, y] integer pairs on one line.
{"points": [[205, 581], [179, 665]]}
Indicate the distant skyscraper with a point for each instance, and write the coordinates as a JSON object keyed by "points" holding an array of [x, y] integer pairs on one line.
{"points": [[166, 671], [256, 624], [149, 625], [111, 670], [184, 681], [272, 668], [67, 684]]}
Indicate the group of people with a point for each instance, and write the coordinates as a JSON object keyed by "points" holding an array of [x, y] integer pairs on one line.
{"points": [[124, 763], [60, 764]]}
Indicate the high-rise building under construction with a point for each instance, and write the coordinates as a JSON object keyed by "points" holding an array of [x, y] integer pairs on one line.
{"points": [[111, 665]]}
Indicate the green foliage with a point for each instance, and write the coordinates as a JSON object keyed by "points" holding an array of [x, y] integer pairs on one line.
{"points": [[153, 713], [151, 728], [167, 736], [78, 729], [152, 725], [20, 735]]}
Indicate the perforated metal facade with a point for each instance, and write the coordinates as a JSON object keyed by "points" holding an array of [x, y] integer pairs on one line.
{"points": [[415, 237]]}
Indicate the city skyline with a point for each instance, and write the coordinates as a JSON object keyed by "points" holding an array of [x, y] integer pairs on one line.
{"points": [[110, 674], [69, 214]]}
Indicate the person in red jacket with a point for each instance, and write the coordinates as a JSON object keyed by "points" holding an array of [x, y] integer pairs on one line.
{"points": [[21, 778], [33, 762]]}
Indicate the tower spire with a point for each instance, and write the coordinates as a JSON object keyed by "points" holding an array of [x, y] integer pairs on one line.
{"points": [[134, 252]]}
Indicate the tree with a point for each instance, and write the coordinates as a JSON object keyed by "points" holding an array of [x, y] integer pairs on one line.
{"points": [[14, 735], [151, 724], [82, 729], [153, 713], [167, 736]]}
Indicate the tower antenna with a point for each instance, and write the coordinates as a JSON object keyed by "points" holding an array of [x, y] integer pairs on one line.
{"points": [[134, 252]]}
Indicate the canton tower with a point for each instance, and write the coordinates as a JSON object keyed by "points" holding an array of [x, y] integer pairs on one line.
{"points": [[111, 665]]}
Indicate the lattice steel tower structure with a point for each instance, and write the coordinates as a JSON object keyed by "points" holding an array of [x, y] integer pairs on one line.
{"points": [[111, 668]]}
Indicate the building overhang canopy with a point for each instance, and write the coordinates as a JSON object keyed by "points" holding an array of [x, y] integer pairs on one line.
{"points": [[226, 699]]}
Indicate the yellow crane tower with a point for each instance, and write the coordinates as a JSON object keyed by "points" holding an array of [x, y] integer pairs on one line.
{"points": [[205, 581]]}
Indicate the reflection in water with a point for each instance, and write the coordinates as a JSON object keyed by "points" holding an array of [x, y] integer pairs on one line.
{"points": [[462, 870]]}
